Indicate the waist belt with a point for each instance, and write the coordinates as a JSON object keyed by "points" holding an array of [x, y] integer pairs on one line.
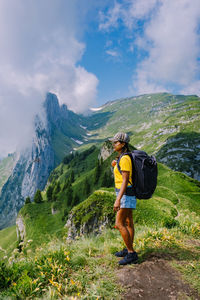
{"points": [[129, 191]]}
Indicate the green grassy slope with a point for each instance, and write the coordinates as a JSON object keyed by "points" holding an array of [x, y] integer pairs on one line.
{"points": [[50, 265], [8, 241], [86, 268], [167, 224], [151, 118], [176, 194], [41, 225], [162, 124], [6, 166]]}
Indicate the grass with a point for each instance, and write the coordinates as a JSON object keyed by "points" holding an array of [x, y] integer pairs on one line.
{"points": [[8, 240], [52, 267], [82, 269], [86, 267], [6, 166], [49, 266], [41, 225]]}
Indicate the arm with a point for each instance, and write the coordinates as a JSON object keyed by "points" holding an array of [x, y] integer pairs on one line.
{"points": [[125, 177]]}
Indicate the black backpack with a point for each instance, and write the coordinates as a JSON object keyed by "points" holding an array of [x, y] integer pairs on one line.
{"points": [[144, 173]]}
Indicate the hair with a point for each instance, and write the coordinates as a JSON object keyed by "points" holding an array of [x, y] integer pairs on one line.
{"points": [[125, 149]]}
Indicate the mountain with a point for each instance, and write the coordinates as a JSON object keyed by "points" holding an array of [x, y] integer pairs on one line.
{"points": [[162, 124], [176, 195], [45, 262], [77, 205], [57, 132]]}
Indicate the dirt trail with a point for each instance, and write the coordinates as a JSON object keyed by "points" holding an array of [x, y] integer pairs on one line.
{"points": [[154, 279]]}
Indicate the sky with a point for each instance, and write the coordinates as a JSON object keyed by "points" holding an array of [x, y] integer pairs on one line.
{"points": [[90, 52]]}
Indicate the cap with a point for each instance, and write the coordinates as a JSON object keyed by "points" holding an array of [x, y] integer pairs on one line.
{"points": [[121, 137]]}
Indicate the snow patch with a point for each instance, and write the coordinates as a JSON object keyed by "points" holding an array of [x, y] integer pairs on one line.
{"points": [[96, 109], [77, 141], [179, 149], [84, 127]]}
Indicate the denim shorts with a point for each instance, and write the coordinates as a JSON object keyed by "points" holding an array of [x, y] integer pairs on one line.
{"points": [[127, 201]]}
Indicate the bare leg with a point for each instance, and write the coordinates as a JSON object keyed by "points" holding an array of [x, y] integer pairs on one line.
{"points": [[130, 225], [121, 218]]}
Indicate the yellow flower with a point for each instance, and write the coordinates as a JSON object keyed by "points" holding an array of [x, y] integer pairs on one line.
{"points": [[67, 258], [14, 283], [52, 282], [35, 280]]}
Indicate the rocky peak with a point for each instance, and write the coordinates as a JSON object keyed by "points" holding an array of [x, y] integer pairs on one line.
{"points": [[52, 108], [106, 150]]}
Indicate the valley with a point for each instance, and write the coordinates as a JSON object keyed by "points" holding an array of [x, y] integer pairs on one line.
{"points": [[64, 243]]}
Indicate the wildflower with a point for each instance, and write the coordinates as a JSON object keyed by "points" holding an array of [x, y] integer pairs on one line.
{"points": [[14, 283], [15, 251], [11, 259], [67, 258], [72, 281], [35, 280], [51, 281], [29, 241]]}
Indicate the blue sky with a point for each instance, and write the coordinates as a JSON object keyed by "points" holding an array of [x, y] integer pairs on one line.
{"points": [[109, 57], [143, 46], [90, 52]]}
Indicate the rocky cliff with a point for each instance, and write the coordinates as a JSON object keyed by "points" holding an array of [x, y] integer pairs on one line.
{"points": [[57, 131], [92, 215], [181, 153]]}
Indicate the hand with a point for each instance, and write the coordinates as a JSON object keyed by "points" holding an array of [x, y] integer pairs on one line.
{"points": [[116, 206], [113, 163]]}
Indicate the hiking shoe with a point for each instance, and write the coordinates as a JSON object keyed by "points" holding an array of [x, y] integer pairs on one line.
{"points": [[122, 253], [130, 258]]}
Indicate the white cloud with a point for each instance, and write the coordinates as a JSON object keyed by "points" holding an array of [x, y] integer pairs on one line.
{"points": [[192, 89], [173, 46], [128, 11], [40, 50], [137, 10], [113, 53], [111, 18], [167, 33]]}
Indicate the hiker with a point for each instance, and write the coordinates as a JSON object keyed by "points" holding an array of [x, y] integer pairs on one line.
{"points": [[125, 200]]}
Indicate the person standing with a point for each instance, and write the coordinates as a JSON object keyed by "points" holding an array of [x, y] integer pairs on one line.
{"points": [[125, 200]]}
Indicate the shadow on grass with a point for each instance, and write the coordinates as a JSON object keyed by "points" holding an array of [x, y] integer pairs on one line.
{"points": [[178, 253]]}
